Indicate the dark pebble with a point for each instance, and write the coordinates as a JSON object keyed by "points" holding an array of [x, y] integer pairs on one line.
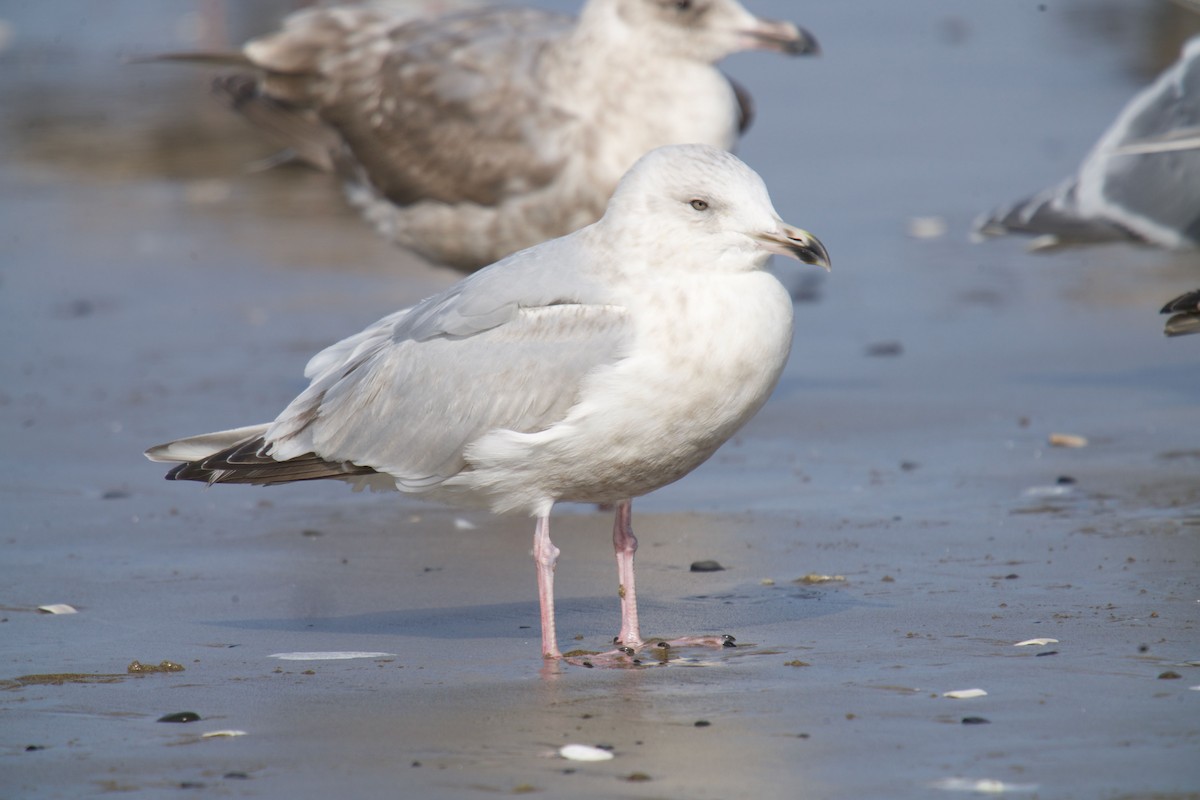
{"points": [[1065, 480], [310, 533], [706, 566], [191, 785], [588, 664], [702, 723], [1012, 576], [637, 777], [975, 721], [1169, 675], [416, 763], [114, 494], [1046, 653], [885, 349], [236, 776], [181, 716], [34, 747], [1143, 648]]}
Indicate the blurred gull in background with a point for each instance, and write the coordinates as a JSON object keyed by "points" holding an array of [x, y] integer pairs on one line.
{"points": [[469, 136], [593, 368], [1140, 183]]}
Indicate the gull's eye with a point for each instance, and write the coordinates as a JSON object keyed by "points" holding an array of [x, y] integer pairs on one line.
{"points": [[698, 204]]}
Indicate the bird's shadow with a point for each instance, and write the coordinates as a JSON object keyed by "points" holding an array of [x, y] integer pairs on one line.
{"points": [[726, 612]]}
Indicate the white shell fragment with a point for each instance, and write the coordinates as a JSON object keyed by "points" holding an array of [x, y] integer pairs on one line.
{"points": [[1038, 642], [220, 734], [1054, 490], [982, 785], [332, 655], [1067, 440], [965, 694], [58, 608], [816, 577], [584, 752], [464, 524], [927, 227]]}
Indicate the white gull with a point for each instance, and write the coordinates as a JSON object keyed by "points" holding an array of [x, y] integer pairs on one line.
{"points": [[468, 136], [594, 368]]}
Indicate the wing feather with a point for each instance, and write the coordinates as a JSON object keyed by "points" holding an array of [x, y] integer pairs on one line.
{"points": [[411, 407], [418, 100]]}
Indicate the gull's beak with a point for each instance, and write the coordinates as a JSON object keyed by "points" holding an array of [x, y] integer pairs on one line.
{"points": [[788, 240], [781, 37]]}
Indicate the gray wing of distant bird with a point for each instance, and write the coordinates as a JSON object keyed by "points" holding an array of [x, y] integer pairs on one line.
{"points": [[1141, 182]]}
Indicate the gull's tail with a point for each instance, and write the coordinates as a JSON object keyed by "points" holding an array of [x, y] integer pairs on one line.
{"points": [[241, 455]]}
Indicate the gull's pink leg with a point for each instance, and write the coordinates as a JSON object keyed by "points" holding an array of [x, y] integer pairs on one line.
{"points": [[625, 545], [545, 555]]}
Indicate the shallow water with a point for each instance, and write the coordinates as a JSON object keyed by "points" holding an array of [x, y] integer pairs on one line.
{"points": [[151, 286]]}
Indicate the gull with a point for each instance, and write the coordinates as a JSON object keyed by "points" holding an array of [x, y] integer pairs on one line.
{"points": [[1140, 182], [592, 368], [468, 136]]}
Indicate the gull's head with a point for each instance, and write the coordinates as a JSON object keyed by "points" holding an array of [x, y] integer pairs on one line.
{"points": [[697, 199], [705, 30]]}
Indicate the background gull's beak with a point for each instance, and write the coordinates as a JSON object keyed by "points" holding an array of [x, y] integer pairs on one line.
{"points": [[781, 37]]}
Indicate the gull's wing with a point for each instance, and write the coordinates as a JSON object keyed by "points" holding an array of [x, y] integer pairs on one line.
{"points": [[446, 109], [506, 348], [1131, 186]]}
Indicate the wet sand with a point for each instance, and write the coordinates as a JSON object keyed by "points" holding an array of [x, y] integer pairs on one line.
{"points": [[151, 287]]}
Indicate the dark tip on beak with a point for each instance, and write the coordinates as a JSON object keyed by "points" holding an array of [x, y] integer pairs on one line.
{"points": [[811, 251], [784, 37], [788, 240], [805, 44]]}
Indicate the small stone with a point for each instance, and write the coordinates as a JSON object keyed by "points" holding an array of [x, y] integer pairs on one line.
{"points": [[885, 349], [1169, 675], [702, 723], [181, 716], [975, 721], [637, 777], [706, 566], [796, 663]]}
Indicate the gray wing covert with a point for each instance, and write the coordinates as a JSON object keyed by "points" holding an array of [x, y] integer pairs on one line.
{"points": [[409, 408], [508, 347]]}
